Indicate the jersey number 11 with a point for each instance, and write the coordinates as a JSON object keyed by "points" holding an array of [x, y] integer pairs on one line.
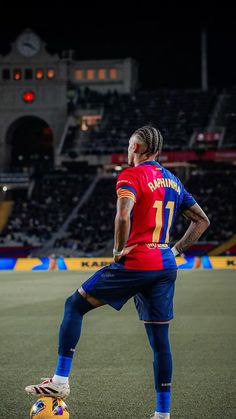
{"points": [[159, 220]]}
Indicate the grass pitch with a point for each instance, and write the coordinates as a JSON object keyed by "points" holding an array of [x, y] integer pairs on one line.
{"points": [[112, 368]]}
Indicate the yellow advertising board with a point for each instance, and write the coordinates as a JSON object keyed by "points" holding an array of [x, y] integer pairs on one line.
{"points": [[93, 264], [86, 264]]}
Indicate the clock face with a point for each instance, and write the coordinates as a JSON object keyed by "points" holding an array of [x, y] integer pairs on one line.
{"points": [[28, 44]]}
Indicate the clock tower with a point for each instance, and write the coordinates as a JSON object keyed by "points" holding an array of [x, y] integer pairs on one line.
{"points": [[33, 86], [28, 44]]}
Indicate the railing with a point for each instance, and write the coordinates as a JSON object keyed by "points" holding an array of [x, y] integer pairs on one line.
{"points": [[69, 121]]}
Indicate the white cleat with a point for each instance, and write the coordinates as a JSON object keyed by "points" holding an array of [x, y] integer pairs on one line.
{"points": [[160, 416], [48, 388]]}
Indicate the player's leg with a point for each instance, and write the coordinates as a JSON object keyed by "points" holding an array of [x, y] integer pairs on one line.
{"points": [[158, 337], [105, 286], [76, 306], [155, 308]]}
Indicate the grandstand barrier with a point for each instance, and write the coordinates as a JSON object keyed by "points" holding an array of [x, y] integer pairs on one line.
{"points": [[90, 264]]}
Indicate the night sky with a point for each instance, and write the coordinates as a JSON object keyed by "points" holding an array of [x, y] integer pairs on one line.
{"points": [[166, 43]]}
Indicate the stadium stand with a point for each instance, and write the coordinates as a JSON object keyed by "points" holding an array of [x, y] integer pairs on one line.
{"points": [[34, 220], [177, 113], [211, 188], [227, 118], [93, 226]]}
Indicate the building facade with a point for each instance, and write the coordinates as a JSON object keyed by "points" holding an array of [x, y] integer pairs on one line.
{"points": [[33, 91]]}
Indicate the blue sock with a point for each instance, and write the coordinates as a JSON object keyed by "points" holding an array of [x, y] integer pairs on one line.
{"points": [[63, 366], [163, 402], [162, 364], [75, 307]]}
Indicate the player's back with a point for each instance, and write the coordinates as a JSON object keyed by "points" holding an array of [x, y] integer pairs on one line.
{"points": [[158, 196]]}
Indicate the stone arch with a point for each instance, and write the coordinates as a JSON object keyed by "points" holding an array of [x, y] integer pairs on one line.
{"points": [[29, 142]]}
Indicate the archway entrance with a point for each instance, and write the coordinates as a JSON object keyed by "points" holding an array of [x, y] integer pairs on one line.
{"points": [[30, 143]]}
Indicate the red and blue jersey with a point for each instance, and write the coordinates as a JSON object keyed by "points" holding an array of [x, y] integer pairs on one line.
{"points": [[158, 195]]}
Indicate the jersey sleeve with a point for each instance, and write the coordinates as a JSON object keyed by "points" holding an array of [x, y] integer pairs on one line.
{"points": [[187, 199], [127, 185]]}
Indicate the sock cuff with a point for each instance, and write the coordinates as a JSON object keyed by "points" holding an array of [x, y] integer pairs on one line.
{"points": [[163, 401], [63, 366]]}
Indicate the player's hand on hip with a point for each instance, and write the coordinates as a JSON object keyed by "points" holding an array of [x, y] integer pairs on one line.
{"points": [[125, 252]]}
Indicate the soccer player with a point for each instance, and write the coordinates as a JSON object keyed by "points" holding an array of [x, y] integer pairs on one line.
{"points": [[149, 198]]}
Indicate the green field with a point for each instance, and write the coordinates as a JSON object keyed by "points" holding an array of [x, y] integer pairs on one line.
{"points": [[112, 371]]}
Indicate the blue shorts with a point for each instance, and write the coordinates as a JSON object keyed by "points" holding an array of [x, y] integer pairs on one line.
{"points": [[153, 291]]}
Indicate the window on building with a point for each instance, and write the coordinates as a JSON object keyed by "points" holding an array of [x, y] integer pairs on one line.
{"points": [[17, 75], [39, 74], [113, 73], [79, 74], [28, 74], [6, 74], [102, 74], [90, 74], [51, 73]]}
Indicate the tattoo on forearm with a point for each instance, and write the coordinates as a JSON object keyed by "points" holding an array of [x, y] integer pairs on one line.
{"points": [[192, 234], [199, 223]]}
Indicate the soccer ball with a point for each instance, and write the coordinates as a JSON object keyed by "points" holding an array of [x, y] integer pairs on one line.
{"points": [[49, 408]]}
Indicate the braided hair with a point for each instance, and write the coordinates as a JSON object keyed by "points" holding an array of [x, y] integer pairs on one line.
{"points": [[151, 137]]}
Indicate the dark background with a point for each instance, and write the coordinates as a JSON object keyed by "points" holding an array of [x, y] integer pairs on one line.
{"points": [[165, 41]]}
